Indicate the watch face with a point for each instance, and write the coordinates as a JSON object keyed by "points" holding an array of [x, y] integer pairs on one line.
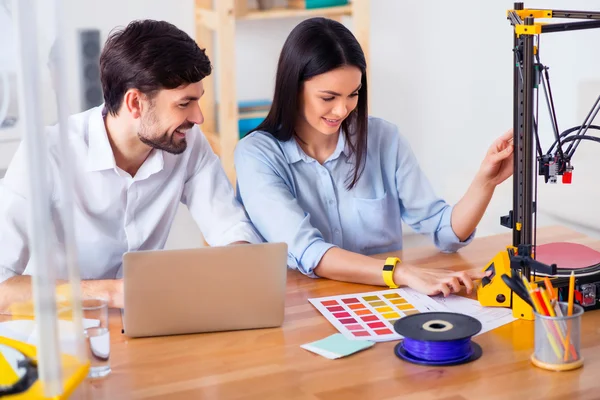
{"points": [[388, 267]]}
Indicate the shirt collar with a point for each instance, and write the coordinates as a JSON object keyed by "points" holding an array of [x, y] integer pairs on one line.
{"points": [[294, 153], [292, 150], [153, 164], [100, 154], [340, 148]]}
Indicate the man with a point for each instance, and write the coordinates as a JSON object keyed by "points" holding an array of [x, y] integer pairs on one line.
{"points": [[135, 158]]}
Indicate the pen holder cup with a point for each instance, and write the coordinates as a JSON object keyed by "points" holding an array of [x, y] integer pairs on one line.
{"points": [[558, 340]]}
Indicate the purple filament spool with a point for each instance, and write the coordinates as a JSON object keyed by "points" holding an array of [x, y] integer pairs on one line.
{"points": [[438, 338]]}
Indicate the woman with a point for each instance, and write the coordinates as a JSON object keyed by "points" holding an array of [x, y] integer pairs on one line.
{"points": [[335, 184]]}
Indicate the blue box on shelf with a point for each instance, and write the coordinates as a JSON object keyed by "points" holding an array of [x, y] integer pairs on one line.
{"points": [[245, 125], [251, 114]]}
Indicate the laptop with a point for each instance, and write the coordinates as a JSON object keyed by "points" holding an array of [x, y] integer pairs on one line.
{"points": [[209, 289]]}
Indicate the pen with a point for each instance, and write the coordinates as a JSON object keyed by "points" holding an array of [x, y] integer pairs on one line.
{"points": [[570, 312]]}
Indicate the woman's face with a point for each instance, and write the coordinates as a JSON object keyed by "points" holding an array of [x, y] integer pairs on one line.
{"points": [[327, 99]]}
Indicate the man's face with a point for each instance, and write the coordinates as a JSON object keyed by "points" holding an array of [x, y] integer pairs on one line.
{"points": [[169, 115]]}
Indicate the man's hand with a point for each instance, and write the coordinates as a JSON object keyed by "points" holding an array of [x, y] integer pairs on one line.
{"points": [[117, 298], [109, 289], [16, 294]]}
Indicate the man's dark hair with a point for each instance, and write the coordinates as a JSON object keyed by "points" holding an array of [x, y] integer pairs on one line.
{"points": [[149, 56]]}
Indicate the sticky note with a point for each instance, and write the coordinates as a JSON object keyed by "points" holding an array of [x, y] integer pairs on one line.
{"points": [[337, 346]]}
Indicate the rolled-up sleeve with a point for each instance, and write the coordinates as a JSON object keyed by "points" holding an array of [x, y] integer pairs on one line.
{"points": [[267, 194], [421, 208], [212, 202], [444, 237]]}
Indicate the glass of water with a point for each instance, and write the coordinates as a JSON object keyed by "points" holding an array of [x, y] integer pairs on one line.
{"points": [[97, 336]]}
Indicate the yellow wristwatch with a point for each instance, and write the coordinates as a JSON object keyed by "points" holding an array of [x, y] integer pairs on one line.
{"points": [[388, 271]]}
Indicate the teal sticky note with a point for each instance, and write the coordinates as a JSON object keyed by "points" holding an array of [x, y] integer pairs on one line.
{"points": [[336, 346]]}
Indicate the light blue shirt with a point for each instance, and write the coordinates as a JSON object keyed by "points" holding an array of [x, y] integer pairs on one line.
{"points": [[292, 198]]}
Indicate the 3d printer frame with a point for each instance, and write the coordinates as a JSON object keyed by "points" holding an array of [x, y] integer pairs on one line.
{"points": [[526, 79], [528, 73]]}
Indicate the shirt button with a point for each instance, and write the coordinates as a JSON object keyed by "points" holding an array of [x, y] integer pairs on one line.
{"points": [[337, 231], [330, 202], [323, 172]]}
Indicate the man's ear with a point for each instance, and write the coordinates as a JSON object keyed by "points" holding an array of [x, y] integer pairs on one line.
{"points": [[133, 103]]}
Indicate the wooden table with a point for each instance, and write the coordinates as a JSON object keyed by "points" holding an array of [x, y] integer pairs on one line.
{"points": [[269, 363]]}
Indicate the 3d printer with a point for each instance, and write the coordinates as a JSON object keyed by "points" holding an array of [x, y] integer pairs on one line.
{"points": [[528, 74]]}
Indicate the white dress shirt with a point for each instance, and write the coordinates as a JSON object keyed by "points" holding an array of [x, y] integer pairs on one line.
{"points": [[115, 213]]}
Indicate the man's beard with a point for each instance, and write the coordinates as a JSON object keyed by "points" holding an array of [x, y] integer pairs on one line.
{"points": [[164, 141]]}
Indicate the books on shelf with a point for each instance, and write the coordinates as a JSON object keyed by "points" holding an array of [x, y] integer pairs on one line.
{"points": [[309, 4], [253, 106]]}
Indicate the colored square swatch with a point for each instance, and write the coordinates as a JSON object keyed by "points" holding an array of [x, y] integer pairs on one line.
{"points": [[337, 345], [383, 331], [369, 318], [356, 306], [341, 314], [354, 327]]}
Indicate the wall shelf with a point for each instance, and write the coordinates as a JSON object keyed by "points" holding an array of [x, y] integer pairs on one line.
{"points": [[296, 13]]}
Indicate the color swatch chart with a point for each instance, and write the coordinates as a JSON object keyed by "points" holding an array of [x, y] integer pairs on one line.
{"points": [[371, 316]]}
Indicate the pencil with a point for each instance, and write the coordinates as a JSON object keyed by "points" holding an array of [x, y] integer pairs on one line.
{"points": [[554, 346], [542, 307], [536, 298], [549, 288], [556, 327], [570, 312], [571, 293], [526, 283], [547, 303]]}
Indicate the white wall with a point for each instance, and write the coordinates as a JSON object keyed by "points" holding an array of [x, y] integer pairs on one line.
{"points": [[442, 73]]}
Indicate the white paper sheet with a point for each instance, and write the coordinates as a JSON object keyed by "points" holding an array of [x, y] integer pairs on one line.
{"points": [[339, 310], [371, 315], [490, 317]]}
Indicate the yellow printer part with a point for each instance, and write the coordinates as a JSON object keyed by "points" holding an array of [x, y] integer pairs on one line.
{"points": [[493, 292]]}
